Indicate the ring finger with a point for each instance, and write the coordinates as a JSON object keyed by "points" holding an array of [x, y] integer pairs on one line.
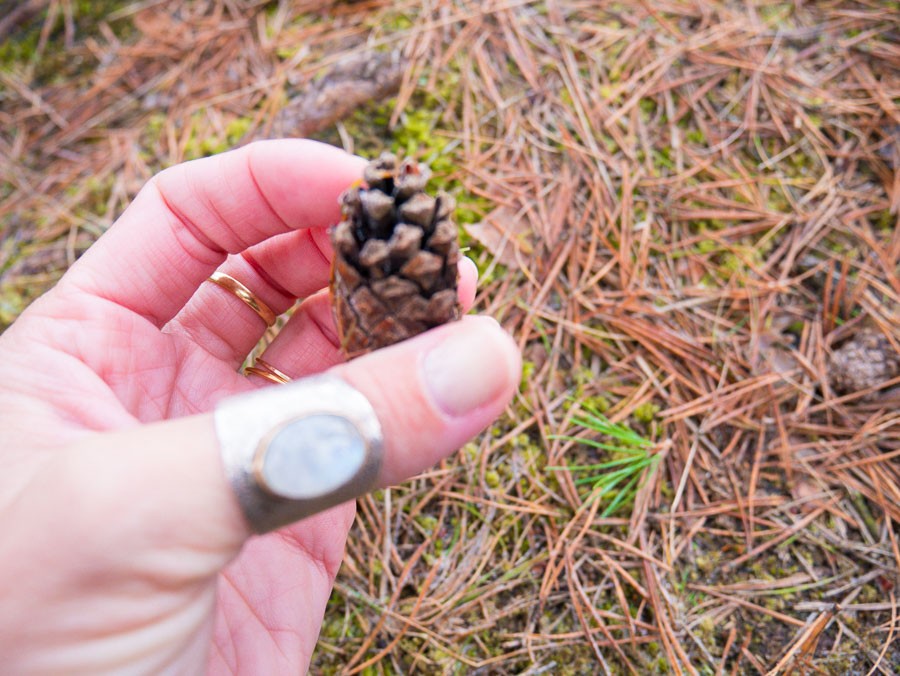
{"points": [[275, 272]]}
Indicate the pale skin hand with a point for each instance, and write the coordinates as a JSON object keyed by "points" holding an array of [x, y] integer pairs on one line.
{"points": [[123, 549]]}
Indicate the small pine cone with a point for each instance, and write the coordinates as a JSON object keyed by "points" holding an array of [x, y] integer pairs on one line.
{"points": [[394, 272], [865, 361]]}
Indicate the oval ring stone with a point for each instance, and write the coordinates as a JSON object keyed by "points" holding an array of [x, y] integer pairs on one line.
{"points": [[312, 456]]}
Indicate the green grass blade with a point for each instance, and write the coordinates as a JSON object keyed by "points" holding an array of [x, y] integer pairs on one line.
{"points": [[620, 497], [604, 447]]}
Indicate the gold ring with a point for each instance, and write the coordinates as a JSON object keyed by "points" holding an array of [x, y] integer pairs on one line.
{"points": [[264, 369], [238, 290]]}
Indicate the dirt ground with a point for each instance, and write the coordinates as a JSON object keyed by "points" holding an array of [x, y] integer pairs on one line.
{"points": [[685, 211]]}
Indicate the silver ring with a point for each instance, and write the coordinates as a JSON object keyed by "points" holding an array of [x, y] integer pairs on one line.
{"points": [[296, 450]]}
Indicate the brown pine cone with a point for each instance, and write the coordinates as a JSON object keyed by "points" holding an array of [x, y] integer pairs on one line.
{"points": [[394, 271], [865, 361]]}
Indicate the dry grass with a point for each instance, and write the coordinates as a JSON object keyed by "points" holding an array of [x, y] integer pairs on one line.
{"points": [[688, 206]]}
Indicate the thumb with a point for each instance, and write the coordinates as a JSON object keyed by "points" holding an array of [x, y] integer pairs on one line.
{"points": [[163, 487], [435, 392]]}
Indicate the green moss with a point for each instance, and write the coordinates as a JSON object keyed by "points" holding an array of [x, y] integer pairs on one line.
{"points": [[884, 220], [731, 263], [472, 211], [646, 412], [871, 594], [707, 246], [20, 48], [470, 450], [776, 603], [286, 53], [237, 129], [662, 159], [152, 133], [12, 303], [527, 373], [427, 522], [648, 107], [696, 136], [598, 403], [203, 143], [416, 136], [396, 23], [332, 627], [707, 562], [535, 455]]}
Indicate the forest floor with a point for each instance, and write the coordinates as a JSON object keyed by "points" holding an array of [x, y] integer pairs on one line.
{"points": [[685, 211]]}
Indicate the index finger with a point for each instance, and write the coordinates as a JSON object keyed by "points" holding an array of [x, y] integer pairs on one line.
{"points": [[188, 218]]}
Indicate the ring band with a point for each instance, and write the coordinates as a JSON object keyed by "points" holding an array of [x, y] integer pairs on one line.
{"points": [[291, 452], [238, 290], [264, 369]]}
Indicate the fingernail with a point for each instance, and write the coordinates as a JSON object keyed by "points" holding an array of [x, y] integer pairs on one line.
{"points": [[471, 367]]}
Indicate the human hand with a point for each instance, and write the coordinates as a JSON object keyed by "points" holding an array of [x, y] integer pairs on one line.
{"points": [[124, 548]]}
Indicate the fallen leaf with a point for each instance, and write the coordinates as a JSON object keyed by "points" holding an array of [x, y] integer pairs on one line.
{"points": [[506, 233]]}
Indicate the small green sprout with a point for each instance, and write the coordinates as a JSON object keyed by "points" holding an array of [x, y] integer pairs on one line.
{"points": [[630, 456]]}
